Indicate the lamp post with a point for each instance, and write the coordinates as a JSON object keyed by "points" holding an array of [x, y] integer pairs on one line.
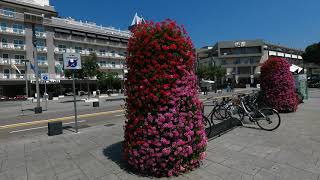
{"points": [[34, 20], [26, 75]]}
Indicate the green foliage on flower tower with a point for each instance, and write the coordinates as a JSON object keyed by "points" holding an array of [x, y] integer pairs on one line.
{"points": [[277, 84], [164, 132]]}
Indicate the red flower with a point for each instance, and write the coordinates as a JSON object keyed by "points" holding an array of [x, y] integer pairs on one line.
{"points": [[173, 47]]}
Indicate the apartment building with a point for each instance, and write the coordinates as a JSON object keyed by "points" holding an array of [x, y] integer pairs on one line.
{"points": [[242, 59], [54, 37]]}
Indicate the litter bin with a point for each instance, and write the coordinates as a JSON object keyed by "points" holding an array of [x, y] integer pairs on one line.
{"points": [[50, 94], [54, 128], [96, 104]]}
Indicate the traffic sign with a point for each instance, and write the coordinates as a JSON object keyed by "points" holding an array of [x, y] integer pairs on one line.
{"points": [[45, 76], [72, 61]]}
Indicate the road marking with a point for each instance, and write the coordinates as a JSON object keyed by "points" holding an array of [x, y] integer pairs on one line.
{"points": [[119, 115], [59, 119], [42, 127]]}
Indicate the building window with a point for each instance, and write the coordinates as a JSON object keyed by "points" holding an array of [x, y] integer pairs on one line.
{"points": [[42, 60], [39, 29], [113, 64], [3, 26], [102, 52], [5, 56], [103, 64], [9, 12], [62, 48], [90, 50], [18, 58], [18, 28], [78, 49], [6, 73], [4, 41]]}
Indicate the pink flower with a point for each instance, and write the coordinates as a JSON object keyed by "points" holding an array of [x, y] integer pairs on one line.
{"points": [[166, 151]]}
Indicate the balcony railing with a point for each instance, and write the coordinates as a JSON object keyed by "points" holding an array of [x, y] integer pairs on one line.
{"points": [[92, 26], [21, 47], [11, 14], [17, 61], [12, 30], [42, 49], [42, 63], [41, 34], [5, 76], [110, 66], [4, 61]]}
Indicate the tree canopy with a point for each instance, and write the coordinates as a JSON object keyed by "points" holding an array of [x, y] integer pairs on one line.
{"points": [[312, 54]]}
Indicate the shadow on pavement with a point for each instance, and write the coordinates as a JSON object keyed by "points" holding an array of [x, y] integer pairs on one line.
{"points": [[114, 153]]}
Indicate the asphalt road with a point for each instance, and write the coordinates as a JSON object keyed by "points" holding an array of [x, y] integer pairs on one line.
{"points": [[17, 124]]}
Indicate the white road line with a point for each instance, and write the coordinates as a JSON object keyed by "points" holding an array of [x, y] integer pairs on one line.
{"points": [[42, 127], [119, 115]]}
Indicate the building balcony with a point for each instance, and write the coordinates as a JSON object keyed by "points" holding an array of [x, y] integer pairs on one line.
{"points": [[11, 15], [14, 31], [12, 76], [41, 35], [42, 49], [42, 63], [17, 61], [110, 66], [11, 46], [5, 61]]}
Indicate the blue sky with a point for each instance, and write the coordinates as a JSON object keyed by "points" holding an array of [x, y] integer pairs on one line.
{"points": [[294, 23]]}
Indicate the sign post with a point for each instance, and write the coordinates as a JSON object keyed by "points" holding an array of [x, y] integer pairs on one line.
{"points": [[45, 78], [72, 61]]}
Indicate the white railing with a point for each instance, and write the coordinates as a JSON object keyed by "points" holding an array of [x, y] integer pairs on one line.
{"points": [[42, 63], [17, 61], [12, 46], [107, 30], [11, 14], [42, 49], [41, 34], [4, 61], [5, 76], [110, 66], [12, 30]]}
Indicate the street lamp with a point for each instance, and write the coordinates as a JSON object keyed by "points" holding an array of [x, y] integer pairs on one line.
{"points": [[26, 75], [34, 20]]}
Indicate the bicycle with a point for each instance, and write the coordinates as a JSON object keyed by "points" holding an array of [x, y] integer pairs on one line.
{"points": [[266, 118]]}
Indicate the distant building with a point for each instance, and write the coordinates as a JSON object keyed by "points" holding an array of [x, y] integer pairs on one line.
{"points": [[242, 59], [54, 37]]}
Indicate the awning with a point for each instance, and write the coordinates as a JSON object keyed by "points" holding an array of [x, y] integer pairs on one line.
{"points": [[207, 81], [295, 68], [62, 30], [79, 33]]}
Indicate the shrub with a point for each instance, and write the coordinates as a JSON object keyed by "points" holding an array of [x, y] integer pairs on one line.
{"points": [[164, 133], [277, 84]]}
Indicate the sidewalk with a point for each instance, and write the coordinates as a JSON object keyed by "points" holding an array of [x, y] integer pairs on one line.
{"points": [[290, 153]]}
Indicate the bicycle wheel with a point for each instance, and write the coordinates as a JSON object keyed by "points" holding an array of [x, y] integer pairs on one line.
{"points": [[268, 119], [222, 111], [235, 112], [215, 114], [207, 125]]}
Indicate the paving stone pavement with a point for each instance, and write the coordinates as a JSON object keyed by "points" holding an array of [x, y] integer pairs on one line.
{"points": [[292, 152]]}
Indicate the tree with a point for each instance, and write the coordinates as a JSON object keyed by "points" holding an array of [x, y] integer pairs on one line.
{"points": [[214, 73], [109, 80], [312, 54], [277, 85], [164, 131], [90, 68]]}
